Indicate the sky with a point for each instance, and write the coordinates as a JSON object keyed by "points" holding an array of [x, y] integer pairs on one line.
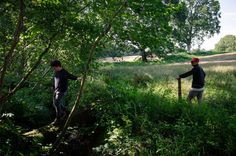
{"points": [[227, 23]]}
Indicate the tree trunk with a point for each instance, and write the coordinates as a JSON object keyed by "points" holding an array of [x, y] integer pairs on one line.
{"points": [[189, 38], [144, 56], [15, 41], [189, 47]]}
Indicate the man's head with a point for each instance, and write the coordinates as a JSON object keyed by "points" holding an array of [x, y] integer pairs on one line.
{"points": [[194, 61], [56, 65]]}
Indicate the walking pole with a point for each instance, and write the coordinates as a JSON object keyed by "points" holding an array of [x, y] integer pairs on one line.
{"points": [[179, 89]]}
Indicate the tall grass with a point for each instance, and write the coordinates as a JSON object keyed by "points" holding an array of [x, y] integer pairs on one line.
{"points": [[134, 110], [149, 120], [164, 76]]}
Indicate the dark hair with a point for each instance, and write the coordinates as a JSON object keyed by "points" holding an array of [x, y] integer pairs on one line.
{"points": [[56, 63]]}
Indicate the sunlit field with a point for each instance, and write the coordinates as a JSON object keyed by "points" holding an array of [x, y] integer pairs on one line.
{"points": [[220, 77], [155, 122], [130, 109]]}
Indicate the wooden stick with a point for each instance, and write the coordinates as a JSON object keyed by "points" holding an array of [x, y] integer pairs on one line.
{"points": [[179, 89]]}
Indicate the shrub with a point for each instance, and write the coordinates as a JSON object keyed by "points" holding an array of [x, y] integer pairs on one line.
{"points": [[226, 44]]}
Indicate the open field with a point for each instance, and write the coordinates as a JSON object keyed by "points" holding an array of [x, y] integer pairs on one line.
{"points": [[182, 57], [164, 76], [165, 126], [220, 57], [133, 109], [217, 67]]}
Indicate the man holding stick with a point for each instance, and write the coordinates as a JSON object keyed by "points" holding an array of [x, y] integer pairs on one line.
{"points": [[198, 80]]}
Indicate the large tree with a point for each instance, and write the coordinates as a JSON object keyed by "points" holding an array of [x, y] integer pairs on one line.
{"points": [[197, 20], [145, 26]]}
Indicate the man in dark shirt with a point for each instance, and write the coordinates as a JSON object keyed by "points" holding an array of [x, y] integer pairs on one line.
{"points": [[198, 80], [60, 85]]}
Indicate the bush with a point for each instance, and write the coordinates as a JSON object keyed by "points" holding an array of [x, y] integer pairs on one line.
{"points": [[140, 122], [12, 142], [226, 44]]}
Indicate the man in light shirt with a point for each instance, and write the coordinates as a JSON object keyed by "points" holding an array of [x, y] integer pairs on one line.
{"points": [[198, 80]]}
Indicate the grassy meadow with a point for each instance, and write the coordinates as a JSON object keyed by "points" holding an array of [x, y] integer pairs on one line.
{"points": [[149, 120], [131, 109], [220, 77]]}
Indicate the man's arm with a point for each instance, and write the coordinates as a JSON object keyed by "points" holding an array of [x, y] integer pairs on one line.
{"points": [[204, 73], [186, 74], [70, 76]]}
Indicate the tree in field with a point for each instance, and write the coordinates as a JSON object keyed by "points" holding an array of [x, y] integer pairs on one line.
{"points": [[226, 44], [114, 20], [146, 26], [198, 19]]}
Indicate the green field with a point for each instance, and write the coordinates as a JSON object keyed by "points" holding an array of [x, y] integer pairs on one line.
{"points": [[133, 109], [99, 78], [164, 76], [149, 120]]}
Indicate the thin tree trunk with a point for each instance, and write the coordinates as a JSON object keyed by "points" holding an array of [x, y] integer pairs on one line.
{"points": [[189, 47], [189, 42], [44, 74], [189, 38], [15, 41], [80, 93], [144, 56]]}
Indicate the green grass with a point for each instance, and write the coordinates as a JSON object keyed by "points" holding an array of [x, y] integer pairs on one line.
{"points": [[164, 76], [133, 109], [147, 117]]}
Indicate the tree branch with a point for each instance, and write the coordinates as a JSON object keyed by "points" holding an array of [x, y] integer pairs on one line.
{"points": [[15, 41], [4, 98], [44, 74]]}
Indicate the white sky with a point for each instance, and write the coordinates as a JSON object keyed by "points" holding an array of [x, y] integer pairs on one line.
{"points": [[228, 23]]}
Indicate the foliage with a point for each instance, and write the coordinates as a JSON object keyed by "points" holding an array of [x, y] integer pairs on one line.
{"points": [[226, 44], [12, 142], [162, 125], [143, 27], [125, 110], [198, 19]]}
